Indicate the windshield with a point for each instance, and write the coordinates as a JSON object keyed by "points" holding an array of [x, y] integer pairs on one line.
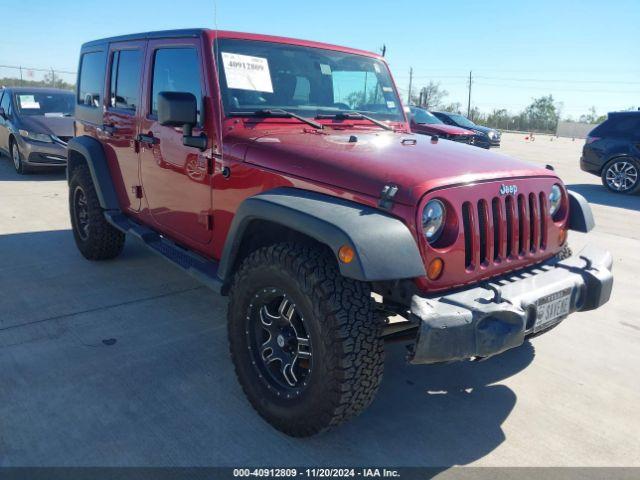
{"points": [[307, 81], [462, 121], [422, 116], [47, 104]]}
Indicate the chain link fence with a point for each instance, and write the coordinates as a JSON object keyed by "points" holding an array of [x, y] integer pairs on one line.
{"points": [[17, 75]]}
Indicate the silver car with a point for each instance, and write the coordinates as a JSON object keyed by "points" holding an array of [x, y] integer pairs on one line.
{"points": [[35, 126]]}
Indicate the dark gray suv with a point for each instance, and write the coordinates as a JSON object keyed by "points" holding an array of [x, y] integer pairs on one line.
{"points": [[35, 126]]}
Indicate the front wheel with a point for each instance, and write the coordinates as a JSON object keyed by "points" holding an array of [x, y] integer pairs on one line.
{"points": [[95, 237], [304, 340], [16, 156], [622, 175]]}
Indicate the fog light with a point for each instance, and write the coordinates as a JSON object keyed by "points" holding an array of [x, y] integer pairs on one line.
{"points": [[434, 270], [346, 254]]}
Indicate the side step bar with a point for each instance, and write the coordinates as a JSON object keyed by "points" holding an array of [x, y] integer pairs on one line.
{"points": [[206, 271]]}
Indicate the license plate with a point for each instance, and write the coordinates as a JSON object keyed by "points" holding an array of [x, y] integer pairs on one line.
{"points": [[552, 308]]}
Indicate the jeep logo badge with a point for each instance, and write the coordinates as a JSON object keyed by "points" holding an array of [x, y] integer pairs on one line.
{"points": [[508, 189]]}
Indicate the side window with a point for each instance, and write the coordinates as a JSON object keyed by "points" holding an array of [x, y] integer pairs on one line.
{"points": [[4, 103], [125, 79], [91, 79], [176, 70]]}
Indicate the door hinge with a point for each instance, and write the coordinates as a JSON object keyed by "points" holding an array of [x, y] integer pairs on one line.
{"points": [[137, 191], [210, 165], [206, 220]]}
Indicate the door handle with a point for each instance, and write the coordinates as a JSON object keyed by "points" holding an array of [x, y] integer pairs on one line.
{"points": [[148, 139]]}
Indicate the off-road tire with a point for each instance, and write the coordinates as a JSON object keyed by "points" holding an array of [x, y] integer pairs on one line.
{"points": [[16, 159], [102, 241], [565, 253], [635, 188], [348, 352]]}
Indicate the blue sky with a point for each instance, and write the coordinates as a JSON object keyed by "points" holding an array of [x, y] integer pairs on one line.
{"points": [[585, 53]]}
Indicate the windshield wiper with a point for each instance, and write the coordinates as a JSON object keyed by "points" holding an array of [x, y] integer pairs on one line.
{"points": [[278, 113], [354, 116]]}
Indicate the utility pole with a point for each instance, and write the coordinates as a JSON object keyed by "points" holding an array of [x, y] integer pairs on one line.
{"points": [[410, 82], [469, 102], [53, 78]]}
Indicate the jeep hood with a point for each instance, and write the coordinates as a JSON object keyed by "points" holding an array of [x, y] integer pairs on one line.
{"points": [[365, 161]]}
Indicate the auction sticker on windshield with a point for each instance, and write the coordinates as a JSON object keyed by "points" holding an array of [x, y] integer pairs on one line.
{"points": [[245, 72], [28, 102]]}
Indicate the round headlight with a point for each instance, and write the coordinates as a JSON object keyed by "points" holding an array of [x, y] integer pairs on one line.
{"points": [[555, 198], [491, 134], [433, 220]]}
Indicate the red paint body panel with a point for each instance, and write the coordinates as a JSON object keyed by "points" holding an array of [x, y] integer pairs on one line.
{"points": [[263, 154]]}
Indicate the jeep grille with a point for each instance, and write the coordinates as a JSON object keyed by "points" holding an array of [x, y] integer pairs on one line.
{"points": [[503, 227]]}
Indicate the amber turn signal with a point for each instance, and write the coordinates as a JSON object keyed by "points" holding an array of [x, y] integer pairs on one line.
{"points": [[346, 254], [435, 268], [562, 236]]}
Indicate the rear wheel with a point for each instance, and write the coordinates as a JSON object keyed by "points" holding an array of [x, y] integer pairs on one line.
{"points": [[16, 157], [95, 237], [304, 340], [622, 175]]}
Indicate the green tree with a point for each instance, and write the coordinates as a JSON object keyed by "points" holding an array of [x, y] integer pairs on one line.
{"points": [[542, 114], [431, 96]]}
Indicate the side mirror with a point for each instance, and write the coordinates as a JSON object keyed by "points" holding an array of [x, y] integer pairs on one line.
{"points": [[180, 109]]}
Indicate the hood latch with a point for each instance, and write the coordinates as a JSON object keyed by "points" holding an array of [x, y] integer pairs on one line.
{"points": [[387, 195]]}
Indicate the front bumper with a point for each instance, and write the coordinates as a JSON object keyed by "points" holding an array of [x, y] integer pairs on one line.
{"points": [[498, 315], [43, 154]]}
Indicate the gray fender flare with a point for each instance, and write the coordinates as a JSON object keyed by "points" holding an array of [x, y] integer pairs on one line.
{"points": [[580, 214], [385, 248], [93, 153]]}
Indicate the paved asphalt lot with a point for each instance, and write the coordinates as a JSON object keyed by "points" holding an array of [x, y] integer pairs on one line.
{"points": [[125, 363]]}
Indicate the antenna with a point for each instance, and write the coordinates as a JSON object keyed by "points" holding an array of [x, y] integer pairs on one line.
{"points": [[215, 66]]}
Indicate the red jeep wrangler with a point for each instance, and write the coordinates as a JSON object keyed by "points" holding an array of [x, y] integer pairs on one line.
{"points": [[283, 174]]}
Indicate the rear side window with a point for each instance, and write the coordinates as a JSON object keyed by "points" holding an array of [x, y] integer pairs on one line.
{"points": [[125, 79], [176, 70], [91, 79], [619, 126]]}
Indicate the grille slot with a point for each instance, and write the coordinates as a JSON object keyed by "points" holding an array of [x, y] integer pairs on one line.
{"points": [[468, 235], [543, 220], [534, 236], [483, 226], [522, 224], [497, 226], [509, 208]]}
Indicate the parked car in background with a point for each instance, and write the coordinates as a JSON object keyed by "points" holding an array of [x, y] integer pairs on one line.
{"points": [[612, 151], [426, 123], [485, 137], [35, 126]]}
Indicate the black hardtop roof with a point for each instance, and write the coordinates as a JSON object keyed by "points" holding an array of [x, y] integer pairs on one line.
{"points": [[624, 112], [186, 32]]}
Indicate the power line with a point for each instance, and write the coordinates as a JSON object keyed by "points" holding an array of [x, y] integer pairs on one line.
{"points": [[18, 67], [551, 80]]}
